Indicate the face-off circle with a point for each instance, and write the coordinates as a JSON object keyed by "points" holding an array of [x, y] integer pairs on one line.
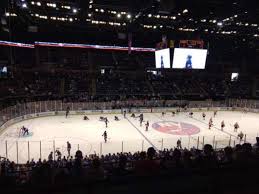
{"points": [[176, 128]]}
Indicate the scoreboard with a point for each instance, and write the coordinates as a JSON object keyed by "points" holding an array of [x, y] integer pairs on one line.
{"points": [[191, 44]]}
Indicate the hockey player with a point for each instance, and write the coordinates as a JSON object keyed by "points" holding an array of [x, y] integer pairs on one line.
{"points": [[163, 114], [240, 136], [162, 62], [67, 111], [236, 127], [86, 118], [22, 131], [106, 122], [147, 125], [124, 113], [141, 118], [133, 115], [116, 118], [203, 116], [222, 125], [210, 123], [58, 154], [191, 114], [173, 113], [102, 119], [215, 113], [179, 144], [68, 148], [105, 136], [25, 131]]}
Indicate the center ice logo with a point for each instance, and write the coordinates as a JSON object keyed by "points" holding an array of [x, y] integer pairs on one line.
{"points": [[176, 128]]}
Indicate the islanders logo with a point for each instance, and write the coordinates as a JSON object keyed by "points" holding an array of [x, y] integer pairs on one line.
{"points": [[176, 128]]}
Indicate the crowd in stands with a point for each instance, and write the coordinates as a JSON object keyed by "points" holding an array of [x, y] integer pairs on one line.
{"points": [[151, 163], [76, 86]]}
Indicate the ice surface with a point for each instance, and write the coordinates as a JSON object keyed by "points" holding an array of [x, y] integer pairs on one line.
{"points": [[51, 133]]}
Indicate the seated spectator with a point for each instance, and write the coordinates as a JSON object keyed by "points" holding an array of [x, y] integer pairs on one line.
{"points": [[122, 168], [96, 172], [147, 165], [228, 157], [256, 145], [209, 159]]}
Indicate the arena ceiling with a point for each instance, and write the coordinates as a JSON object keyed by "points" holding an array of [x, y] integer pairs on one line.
{"points": [[225, 18]]}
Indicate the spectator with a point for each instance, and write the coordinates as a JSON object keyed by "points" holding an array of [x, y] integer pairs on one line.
{"points": [[96, 172], [147, 165]]}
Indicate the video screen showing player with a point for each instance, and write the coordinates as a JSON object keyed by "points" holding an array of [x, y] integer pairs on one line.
{"points": [[3, 71], [189, 58], [163, 59], [234, 77]]}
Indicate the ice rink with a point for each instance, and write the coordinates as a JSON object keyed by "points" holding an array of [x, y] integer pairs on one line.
{"points": [[51, 133]]}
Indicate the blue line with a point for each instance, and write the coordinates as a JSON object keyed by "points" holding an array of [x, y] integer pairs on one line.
{"points": [[143, 135]]}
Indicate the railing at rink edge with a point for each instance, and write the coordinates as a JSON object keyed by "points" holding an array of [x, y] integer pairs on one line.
{"points": [[20, 150]]}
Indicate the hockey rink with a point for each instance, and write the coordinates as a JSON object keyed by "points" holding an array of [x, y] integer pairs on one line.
{"points": [[47, 134]]}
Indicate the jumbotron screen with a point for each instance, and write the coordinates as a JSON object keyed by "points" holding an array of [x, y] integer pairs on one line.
{"points": [[3, 71], [234, 77], [163, 59], [185, 58]]}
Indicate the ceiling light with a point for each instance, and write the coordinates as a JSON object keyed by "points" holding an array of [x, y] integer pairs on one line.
{"points": [[220, 24], [128, 16], [185, 11], [150, 15], [74, 10], [118, 15], [24, 5]]}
